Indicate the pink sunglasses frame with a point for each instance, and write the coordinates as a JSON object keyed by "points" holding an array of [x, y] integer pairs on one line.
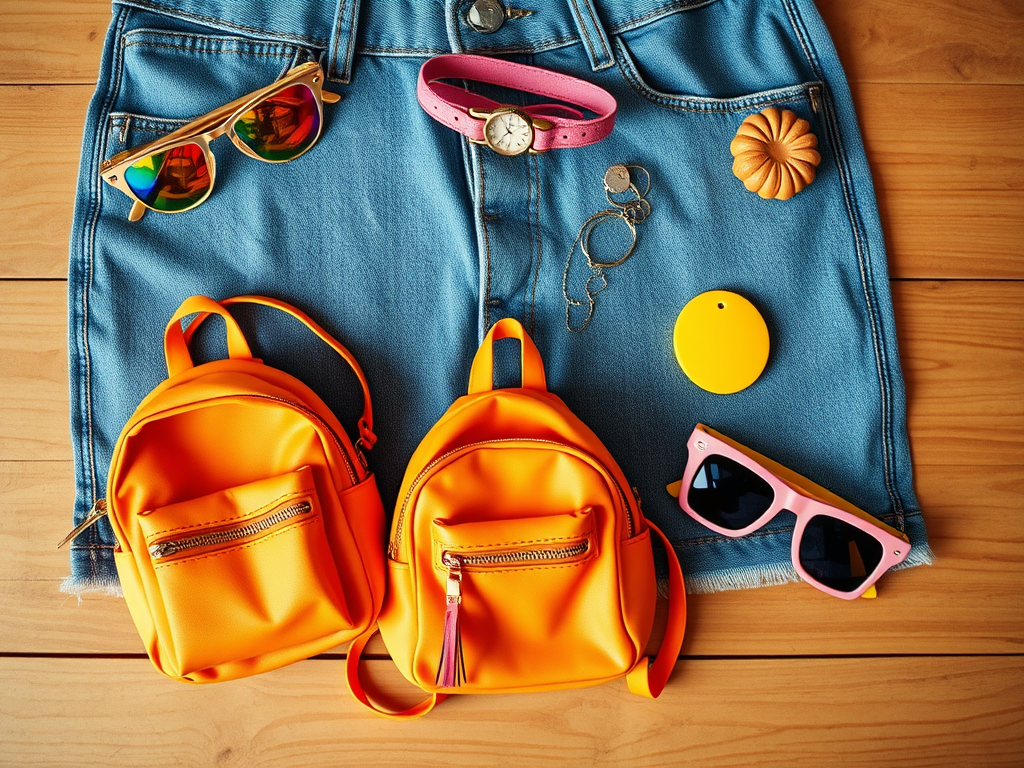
{"points": [[796, 494]]}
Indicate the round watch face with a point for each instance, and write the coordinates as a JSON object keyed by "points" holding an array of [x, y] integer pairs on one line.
{"points": [[508, 133]]}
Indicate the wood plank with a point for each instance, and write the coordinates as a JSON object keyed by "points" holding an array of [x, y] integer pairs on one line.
{"points": [[33, 371], [928, 41], [39, 160], [943, 41], [952, 200], [911, 712], [52, 41], [963, 354]]}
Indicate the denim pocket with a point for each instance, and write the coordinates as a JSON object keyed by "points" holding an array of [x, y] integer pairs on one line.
{"points": [[714, 51], [807, 92], [169, 72], [180, 75]]}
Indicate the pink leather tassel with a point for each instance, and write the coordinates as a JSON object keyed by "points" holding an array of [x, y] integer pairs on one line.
{"points": [[451, 670]]}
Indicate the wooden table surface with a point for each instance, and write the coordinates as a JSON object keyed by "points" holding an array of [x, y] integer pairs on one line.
{"points": [[929, 674]]}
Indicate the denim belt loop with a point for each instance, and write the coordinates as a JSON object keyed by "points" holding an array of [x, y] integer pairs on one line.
{"points": [[343, 42], [599, 49]]}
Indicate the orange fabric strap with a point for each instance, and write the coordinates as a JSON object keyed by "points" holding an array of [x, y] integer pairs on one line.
{"points": [[649, 676], [481, 376], [176, 343], [355, 651], [183, 360]]}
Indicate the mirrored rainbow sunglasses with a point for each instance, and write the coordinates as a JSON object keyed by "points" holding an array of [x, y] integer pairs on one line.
{"points": [[175, 173]]}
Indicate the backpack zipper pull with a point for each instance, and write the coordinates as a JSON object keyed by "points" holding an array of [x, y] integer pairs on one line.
{"points": [[99, 509], [451, 669]]}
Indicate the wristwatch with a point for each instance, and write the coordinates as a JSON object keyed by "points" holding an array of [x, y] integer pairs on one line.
{"points": [[507, 129]]}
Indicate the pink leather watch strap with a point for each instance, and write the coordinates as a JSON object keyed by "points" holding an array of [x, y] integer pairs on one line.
{"points": [[450, 105]]}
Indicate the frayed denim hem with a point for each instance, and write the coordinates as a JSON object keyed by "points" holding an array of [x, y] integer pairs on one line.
{"points": [[770, 575], [748, 577], [91, 585], [920, 554]]}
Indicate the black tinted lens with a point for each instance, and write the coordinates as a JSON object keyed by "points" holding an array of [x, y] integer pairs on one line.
{"points": [[728, 494], [838, 554]]}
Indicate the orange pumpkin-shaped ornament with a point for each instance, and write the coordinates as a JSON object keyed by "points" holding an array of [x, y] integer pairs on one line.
{"points": [[775, 153]]}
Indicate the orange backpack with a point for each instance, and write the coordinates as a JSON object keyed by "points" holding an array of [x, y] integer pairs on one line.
{"points": [[519, 558], [249, 530]]}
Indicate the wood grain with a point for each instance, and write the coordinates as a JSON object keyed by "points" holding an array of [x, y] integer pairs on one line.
{"points": [[934, 41], [952, 202], [854, 712], [33, 371], [939, 88], [963, 355], [52, 41], [928, 41]]}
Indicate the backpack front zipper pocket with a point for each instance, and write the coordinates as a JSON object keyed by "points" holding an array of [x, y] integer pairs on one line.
{"points": [[229, 535], [240, 573], [524, 442], [521, 599]]}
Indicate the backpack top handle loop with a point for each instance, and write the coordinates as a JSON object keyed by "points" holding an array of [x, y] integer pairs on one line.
{"points": [[367, 438], [481, 376], [176, 351]]}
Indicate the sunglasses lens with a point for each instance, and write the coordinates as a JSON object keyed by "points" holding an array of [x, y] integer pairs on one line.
{"points": [[282, 126], [728, 494], [837, 554], [170, 181]]}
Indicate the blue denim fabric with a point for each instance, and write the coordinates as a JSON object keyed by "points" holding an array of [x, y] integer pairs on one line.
{"points": [[408, 243]]}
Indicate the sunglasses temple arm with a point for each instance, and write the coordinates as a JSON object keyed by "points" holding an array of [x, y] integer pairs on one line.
{"points": [[330, 98], [137, 212]]}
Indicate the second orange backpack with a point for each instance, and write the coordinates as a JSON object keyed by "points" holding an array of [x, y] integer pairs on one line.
{"points": [[519, 558]]}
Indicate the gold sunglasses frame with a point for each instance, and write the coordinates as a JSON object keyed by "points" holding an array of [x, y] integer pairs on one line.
{"points": [[212, 125]]}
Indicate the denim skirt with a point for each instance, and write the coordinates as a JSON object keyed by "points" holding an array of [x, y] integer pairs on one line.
{"points": [[408, 243]]}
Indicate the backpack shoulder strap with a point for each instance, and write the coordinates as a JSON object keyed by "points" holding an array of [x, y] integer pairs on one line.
{"points": [[648, 676], [366, 435], [355, 652]]}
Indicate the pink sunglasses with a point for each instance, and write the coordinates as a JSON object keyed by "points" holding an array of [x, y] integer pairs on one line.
{"points": [[734, 490]]}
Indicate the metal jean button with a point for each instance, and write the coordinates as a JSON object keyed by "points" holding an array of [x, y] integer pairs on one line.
{"points": [[486, 16]]}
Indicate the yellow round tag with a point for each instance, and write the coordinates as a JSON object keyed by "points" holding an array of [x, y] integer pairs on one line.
{"points": [[721, 342]]}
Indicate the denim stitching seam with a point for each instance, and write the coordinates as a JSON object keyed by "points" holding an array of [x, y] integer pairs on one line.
{"points": [[600, 34], [867, 277], [323, 43], [144, 122], [285, 53], [864, 262], [316, 42], [598, 31], [538, 47], [334, 42], [88, 245], [540, 248], [528, 158], [667, 10], [351, 46], [481, 209], [701, 104], [199, 42], [591, 50]]}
